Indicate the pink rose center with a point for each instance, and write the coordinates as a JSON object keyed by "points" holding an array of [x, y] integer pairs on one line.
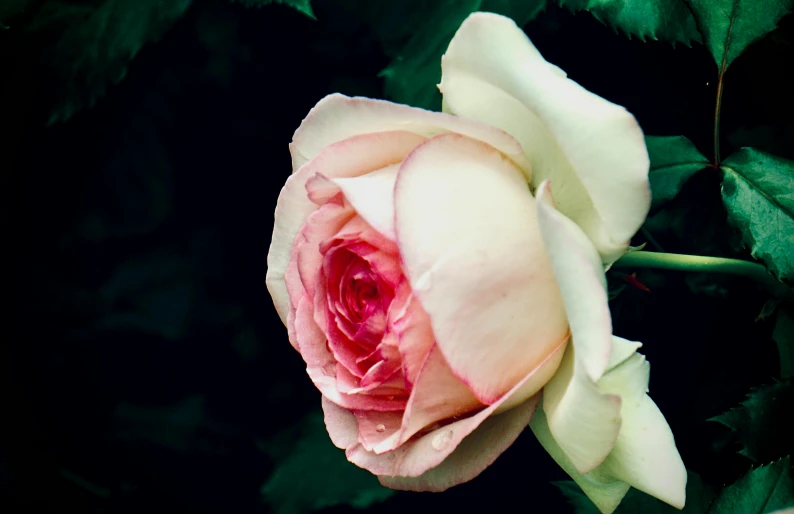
{"points": [[360, 284]]}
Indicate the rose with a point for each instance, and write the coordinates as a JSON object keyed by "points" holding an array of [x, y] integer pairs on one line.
{"points": [[433, 296]]}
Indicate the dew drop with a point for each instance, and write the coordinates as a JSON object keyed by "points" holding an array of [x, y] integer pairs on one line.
{"points": [[442, 440], [380, 427]]}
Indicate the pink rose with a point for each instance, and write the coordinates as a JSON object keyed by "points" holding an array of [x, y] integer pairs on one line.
{"points": [[434, 289]]}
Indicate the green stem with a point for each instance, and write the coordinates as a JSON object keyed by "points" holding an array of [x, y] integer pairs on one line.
{"points": [[720, 80], [717, 109], [700, 264]]}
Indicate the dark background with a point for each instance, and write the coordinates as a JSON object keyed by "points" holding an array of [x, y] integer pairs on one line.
{"points": [[143, 366]]}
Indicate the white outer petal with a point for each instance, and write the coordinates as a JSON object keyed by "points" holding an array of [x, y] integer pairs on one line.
{"points": [[644, 455], [592, 149]]}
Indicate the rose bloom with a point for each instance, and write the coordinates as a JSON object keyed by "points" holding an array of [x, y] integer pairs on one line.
{"points": [[442, 275]]}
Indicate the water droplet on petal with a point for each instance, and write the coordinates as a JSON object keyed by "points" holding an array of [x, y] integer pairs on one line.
{"points": [[380, 427], [442, 440]]}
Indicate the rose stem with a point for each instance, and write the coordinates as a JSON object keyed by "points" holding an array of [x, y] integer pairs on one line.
{"points": [[717, 109], [700, 264]]}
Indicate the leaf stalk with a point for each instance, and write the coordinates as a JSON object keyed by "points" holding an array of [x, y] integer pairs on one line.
{"points": [[701, 264]]}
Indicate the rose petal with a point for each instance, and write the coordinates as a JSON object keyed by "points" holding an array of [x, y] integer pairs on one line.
{"points": [[437, 395], [604, 491], [350, 158], [412, 326], [422, 453], [472, 252], [582, 283], [322, 366], [338, 117], [592, 149], [321, 224], [622, 350], [375, 427], [372, 196], [359, 230], [415, 458], [584, 422], [340, 423], [644, 455], [292, 209], [475, 453]]}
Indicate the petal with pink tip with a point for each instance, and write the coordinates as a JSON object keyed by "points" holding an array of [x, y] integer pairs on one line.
{"points": [[340, 423], [292, 209], [321, 224], [592, 149], [322, 366], [374, 428], [421, 454], [437, 395], [412, 326], [338, 117], [475, 453], [472, 251], [349, 158]]}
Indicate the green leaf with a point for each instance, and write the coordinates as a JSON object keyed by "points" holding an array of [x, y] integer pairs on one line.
{"points": [[784, 337], [698, 497], [761, 491], [762, 423], [303, 6], [758, 192], [668, 20], [412, 75], [316, 474], [730, 26], [674, 159], [97, 41]]}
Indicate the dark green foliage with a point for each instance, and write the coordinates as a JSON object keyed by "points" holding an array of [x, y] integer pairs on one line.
{"points": [[416, 68], [757, 190], [666, 20], [698, 497], [94, 43], [335, 481], [674, 159], [730, 26], [763, 490], [417, 47], [762, 424]]}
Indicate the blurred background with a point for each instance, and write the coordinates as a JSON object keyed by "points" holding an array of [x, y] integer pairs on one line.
{"points": [[143, 366]]}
